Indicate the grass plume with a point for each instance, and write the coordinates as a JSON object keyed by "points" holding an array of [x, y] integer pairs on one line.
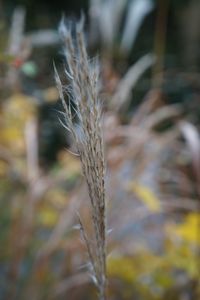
{"points": [[85, 128]]}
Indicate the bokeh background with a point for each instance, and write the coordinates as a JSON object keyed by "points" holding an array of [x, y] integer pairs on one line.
{"points": [[149, 53]]}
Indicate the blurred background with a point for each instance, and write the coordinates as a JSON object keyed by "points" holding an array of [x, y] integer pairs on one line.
{"points": [[149, 53]]}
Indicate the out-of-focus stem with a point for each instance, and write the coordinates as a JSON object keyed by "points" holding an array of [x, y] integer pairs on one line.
{"points": [[160, 42]]}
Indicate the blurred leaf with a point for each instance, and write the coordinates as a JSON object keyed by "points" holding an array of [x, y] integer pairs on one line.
{"points": [[30, 69], [17, 110], [70, 164], [122, 267], [48, 216], [189, 229], [145, 195]]}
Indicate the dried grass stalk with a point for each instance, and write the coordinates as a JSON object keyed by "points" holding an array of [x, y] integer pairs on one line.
{"points": [[85, 128]]}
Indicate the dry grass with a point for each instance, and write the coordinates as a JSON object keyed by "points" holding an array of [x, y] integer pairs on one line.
{"points": [[86, 132]]}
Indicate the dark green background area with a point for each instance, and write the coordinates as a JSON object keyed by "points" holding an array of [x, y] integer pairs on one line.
{"points": [[46, 13]]}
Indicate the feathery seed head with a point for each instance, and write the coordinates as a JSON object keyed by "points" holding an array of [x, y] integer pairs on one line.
{"points": [[83, 93]]}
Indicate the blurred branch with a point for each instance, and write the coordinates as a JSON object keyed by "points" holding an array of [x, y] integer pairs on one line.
{"points": [[17, 30], [31, 138], [162, 114], [121, 98], [137, 11], [192, 138], [43, 38], [160, 40]]}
